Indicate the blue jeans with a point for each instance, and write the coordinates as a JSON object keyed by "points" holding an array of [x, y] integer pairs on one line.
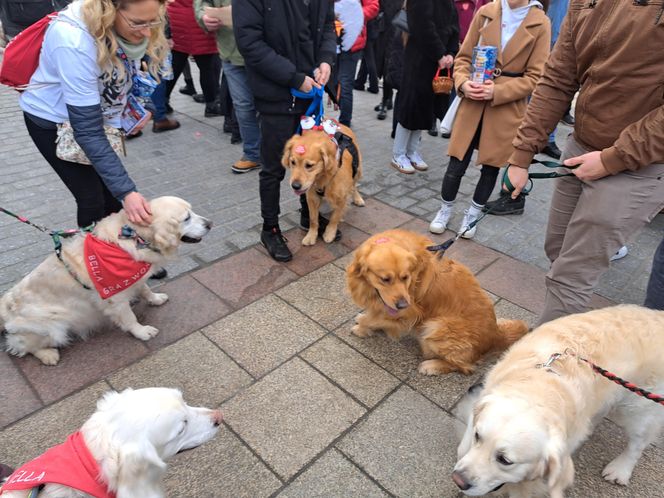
{"points": [[655, 292], [159, 101], [345, 76], [243, 103]]}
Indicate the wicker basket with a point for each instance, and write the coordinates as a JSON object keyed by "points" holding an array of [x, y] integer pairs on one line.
{"points": [[442, 84]]}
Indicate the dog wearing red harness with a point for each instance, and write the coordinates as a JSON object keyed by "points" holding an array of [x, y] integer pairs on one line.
{"points": [[93, 278]]}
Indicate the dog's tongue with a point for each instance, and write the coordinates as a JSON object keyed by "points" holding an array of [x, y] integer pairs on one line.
{"points": [[391, 311], [298, 193]]}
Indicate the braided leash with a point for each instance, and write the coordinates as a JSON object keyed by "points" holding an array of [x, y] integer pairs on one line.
{"points": [[606, 374], [56, 236]]}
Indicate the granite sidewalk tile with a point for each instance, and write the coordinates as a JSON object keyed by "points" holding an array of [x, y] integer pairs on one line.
{"points": [[16, 397], [291, 415], [205, 375], [264, 334]]}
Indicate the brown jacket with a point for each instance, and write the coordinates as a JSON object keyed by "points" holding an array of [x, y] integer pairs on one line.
{"points": [[612, 51], [526, 53]]}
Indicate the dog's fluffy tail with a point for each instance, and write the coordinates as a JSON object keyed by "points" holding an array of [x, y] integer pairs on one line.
{"points": [[509, 331]]}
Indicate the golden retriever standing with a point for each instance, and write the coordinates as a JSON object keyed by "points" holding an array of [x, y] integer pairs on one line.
{"points": [[47, 307], [120, 450], [317, 171], [402, 287], [528, 420]]}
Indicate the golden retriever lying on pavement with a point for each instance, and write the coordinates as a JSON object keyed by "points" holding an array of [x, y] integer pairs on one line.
{"points": [[527, 421], [47, 307], [402, 287], [121, 450], [317, 172]]}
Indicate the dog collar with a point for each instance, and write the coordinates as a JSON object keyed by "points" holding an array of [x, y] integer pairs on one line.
{"points": [[127, 232]]}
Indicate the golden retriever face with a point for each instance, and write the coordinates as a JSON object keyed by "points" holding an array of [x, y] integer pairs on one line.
{"points": [[506, 441], [307, 157], [391, 270], [173, 221]]}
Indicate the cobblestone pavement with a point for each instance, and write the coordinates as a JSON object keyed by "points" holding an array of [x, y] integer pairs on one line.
{"points": [[310, 410], [194, 162]]}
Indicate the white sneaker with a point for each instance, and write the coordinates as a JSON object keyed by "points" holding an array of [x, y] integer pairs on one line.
{"points": [[402, 164], [439, 223], [467, 220], [622, 252], [417, 162]]}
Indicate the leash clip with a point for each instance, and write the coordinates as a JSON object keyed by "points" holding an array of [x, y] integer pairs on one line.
{"points": [[547, 365]]}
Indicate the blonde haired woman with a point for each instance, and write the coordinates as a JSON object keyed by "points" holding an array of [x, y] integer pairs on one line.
{"points": [[90, 62]]}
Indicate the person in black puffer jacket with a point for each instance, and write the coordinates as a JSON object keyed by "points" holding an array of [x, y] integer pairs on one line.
{"points": [[16, 15], [285, 44]]}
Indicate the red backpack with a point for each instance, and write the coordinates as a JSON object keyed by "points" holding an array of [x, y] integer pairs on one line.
{"points": [[21, 56]]}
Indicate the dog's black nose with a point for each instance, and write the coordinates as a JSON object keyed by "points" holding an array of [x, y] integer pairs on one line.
{"points": [[460, 481], [296, 185], [402, 304], [208, 224]]}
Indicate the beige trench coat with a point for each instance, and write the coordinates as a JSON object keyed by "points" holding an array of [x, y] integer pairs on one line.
{"points": [[526, 53]]}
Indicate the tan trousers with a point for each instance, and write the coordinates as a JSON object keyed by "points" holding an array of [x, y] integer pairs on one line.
{"points": [[588, 223]]}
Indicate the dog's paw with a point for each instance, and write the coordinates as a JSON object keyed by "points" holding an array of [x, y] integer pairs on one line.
{"points": [[429, 367], [330, 234], [145, 332], [358, 201], [360, 331], [310, 238], [48, 356], [617, 472], [157, 299]]}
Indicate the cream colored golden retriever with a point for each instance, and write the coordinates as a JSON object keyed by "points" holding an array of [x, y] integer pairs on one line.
{"points": [[527, 421], [402, 287], [128, 438], [46, 309], [317, 172]]}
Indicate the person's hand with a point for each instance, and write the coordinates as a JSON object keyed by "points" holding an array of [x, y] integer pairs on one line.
{"points": [[308, 84], [474, 91], [488, 88], [211, 23], [519, 178], [322, 73], [590, 166], [446, 61], [170, 43], [137, 209]]}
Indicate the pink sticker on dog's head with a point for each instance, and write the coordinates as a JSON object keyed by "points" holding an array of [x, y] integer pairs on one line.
{"points": [[300, 149], [381, 240]]}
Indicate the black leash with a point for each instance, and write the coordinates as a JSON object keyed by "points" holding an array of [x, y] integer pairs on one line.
{"points": [[547, 164], [441, 248], [56, 236]]}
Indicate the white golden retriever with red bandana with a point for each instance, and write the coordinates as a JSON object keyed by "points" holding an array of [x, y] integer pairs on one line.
{"points": [[526, 422], [46, 309], [130, 436]]}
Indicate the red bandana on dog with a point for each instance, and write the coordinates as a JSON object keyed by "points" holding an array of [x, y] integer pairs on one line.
{"points": [[111, 268], [70, 464]]}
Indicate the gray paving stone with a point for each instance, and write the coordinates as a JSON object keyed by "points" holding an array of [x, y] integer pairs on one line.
{"points": [[352, 371], [264, 334], [400, 358], [291, 415], [223, 467], [33, 435], [322, 296], [505, 309], [405, 445], [205, 375], [332, 476]]}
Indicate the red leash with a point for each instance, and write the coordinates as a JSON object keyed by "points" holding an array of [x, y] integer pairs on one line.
{"points": [[608, 375]]}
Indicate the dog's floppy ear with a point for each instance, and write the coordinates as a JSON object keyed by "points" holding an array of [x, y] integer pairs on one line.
{"points": [[140, 470], [558, 467], [285, 159], [328, 154], [358, 267], [166, 234]]}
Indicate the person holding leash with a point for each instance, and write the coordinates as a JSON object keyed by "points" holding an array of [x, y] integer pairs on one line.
{"points": [[608, 51]]}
